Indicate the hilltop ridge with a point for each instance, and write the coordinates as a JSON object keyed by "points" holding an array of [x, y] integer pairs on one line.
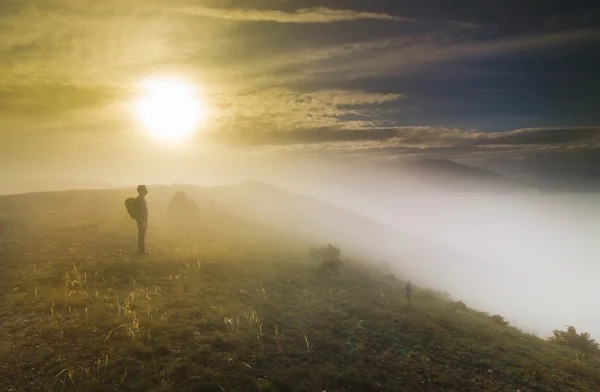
{"points": [[228, 302]]}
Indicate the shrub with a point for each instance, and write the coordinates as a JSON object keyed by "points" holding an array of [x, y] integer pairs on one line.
{"points": [[327, 253], [459, 305], [182, 208], [329, 256], [428, 294], [579, 341], [497, 319]]}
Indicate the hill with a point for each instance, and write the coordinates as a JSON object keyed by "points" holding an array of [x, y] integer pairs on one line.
{"points": [[449, 167], [228, 303], [301, 216], [10, 186], [449, 175]]}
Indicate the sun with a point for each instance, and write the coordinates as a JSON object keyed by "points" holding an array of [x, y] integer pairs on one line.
{"points": [[169, 109]]}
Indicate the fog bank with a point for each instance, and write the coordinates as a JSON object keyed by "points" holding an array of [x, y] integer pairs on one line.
{"points": [[538, 250]]}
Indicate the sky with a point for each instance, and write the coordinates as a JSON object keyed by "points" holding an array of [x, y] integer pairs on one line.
{"points": [[480, 81]]}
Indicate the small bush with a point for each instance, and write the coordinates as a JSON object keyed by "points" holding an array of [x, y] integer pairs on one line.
{"points": [[329, 256], [459, 305], [428, 294], [497, 319], [182, 208], [327, 253], [578, 341]]}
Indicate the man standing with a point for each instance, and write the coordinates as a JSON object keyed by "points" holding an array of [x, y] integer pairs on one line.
{"points": [[141, 216]]}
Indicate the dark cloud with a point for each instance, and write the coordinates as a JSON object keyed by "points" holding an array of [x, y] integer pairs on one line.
{"points": [[448, 152], [415, 137], [305, 15], [302, 136], [466, 25], [541, 136]]}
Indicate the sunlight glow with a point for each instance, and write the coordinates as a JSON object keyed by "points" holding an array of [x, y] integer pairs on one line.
{"points": [[170, 109]]}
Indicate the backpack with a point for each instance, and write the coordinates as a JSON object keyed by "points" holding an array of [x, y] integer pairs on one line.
{"points": [[130, 205]]}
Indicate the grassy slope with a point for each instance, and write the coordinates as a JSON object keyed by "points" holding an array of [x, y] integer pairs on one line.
{"points": [[226, 304]]}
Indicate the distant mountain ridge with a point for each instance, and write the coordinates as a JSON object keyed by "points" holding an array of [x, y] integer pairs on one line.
{"points": [[450, 167], [11, 187], [450, 175]]}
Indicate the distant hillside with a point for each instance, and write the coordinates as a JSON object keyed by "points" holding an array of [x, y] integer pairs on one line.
{"points": [[556, 181], [425, 260], [442, 166], [15, 186], [581, 174], [450, 175], [248, 206]]}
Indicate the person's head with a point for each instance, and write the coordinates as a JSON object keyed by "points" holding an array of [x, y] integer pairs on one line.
{"points": [[142, 190]]}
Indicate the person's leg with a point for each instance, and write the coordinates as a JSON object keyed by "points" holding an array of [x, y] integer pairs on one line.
{"points": [[142, 238]]}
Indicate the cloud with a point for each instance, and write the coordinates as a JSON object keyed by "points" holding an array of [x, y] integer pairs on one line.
{"points": [[305, 15], [466, 25], [248, 118], [432, 136], [83, 55], [309, 136], [528, 136], [394, 56], [436, 136], [52, 98], [415, 139], [386, 150], [114, 41]]}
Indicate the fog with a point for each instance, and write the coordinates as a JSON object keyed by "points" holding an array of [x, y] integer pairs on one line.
{"points": [[529, 255], [542, 249]]}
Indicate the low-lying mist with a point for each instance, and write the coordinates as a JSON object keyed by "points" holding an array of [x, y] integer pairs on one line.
{"points": [[529, 255], [500, 246]]}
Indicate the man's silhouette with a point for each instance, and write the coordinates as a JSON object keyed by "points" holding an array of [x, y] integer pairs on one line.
{"points": [[141, 215]]}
